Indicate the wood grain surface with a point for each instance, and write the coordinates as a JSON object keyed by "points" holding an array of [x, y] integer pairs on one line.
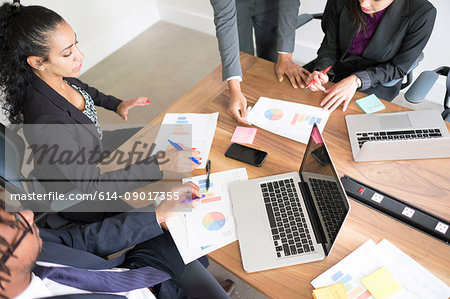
{"points": [[424, 183]]}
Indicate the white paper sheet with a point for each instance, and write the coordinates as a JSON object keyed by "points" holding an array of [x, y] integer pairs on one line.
{"points": [[288, 119], [211, 224], [203, 127], [416, 281]]}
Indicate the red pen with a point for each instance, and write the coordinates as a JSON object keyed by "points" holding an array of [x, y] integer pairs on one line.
{"points": [[325, 71]]}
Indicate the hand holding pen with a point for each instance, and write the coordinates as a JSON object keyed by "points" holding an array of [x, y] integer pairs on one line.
{"points": [[179, 159], [318, 79], [208, 183]]}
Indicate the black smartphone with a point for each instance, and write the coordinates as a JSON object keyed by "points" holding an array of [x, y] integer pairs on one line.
{"points": [[246, 154]]}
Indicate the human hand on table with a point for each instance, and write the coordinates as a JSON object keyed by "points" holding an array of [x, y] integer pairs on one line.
{"points": [[169, 208], [295, 73], [237, 106], [341, 92], [123, 107]]}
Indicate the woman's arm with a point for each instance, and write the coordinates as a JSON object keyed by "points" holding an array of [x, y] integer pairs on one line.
{"points": [[100, 99]]}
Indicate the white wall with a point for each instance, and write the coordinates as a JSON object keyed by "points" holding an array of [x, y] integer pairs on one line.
{"points": [[103, 26], [198, 15]]}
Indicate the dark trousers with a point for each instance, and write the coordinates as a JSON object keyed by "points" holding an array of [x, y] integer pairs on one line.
{"points": [[262, 16], [188, 281]]}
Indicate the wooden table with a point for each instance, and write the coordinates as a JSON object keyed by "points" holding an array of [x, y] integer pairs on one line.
{"points": [[424, 183]]}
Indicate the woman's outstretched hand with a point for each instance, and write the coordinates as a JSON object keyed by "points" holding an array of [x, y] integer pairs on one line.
{"points": [[123, 107]]}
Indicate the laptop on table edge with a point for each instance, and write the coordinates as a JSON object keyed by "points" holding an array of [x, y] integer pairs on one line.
{"points": [[315, 217], [419, 134]]}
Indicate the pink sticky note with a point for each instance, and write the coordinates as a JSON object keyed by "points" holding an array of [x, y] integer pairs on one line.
{"points": [[244, 135]]}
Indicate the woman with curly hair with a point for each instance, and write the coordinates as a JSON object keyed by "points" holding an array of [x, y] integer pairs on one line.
{"points": [[39, 63]]}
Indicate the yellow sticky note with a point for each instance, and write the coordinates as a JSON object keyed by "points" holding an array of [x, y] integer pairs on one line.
{"points": [[335, 291], [381, 284]]}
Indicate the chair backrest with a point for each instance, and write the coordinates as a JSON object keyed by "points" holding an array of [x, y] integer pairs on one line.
{"points": [[12, 148]]}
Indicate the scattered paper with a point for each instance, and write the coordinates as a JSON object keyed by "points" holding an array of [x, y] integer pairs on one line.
{"points": [[211, 224], [244, 135], [288, 119], [416, 281], [381, 284]]}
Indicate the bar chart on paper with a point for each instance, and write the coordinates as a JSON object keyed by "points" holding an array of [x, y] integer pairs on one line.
{"points": [[357, 269], [299, 118], [288, 119]]}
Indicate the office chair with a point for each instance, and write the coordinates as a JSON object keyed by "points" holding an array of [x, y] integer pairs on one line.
{"points": [[426, 80], [407, 79], [12, 152]]}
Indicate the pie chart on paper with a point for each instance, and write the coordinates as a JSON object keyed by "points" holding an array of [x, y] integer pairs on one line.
{"points": [[273, 114], [214, 221]]}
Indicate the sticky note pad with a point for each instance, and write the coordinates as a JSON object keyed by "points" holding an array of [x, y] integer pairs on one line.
{"points": [[370, 104], [335, 291], [244, 135], [381, 284]]}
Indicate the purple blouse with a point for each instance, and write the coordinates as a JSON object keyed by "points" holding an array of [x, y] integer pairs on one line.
{"points": [[362, 38]]}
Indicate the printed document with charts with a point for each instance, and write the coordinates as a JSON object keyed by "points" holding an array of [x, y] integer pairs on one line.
{"points": [[198, 128], [288, 119], [211, 223], [416, 282]]}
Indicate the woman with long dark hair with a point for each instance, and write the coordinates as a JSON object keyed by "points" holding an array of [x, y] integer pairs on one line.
{"points": [[39, 60], [369, 43]]}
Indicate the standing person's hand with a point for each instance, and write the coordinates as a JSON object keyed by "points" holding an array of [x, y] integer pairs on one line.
{"points": [[238, 103], [169, 208], [296, 74], [123, 107], [341, 92]]}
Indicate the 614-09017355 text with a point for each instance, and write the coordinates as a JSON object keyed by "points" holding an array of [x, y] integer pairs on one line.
{"points": [[97, 195]]}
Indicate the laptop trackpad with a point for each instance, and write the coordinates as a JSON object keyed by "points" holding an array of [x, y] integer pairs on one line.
{"points": [[394, 121]]}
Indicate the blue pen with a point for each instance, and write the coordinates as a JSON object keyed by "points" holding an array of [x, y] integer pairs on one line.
{"points": [[178, 147], [191, 199]]}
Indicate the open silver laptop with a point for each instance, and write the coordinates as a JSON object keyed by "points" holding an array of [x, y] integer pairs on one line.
{"points": [[398, 136], [290, 218]]}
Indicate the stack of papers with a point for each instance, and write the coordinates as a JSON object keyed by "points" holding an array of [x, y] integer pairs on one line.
{"points": [[211, 224], [383, 271]]}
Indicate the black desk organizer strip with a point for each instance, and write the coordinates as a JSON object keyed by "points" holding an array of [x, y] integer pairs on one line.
{"points": [[399, 210]]}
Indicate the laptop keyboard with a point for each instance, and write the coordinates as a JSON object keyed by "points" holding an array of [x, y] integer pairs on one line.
{"points": [[397, 135], [290, 232], [330, 205]]}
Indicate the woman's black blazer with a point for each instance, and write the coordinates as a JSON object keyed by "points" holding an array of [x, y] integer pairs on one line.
{"points": [[50, 120], [398, 41]]}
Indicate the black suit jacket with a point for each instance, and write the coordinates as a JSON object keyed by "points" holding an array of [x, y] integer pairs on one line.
{"points": [[50, 120], [399, 39]]}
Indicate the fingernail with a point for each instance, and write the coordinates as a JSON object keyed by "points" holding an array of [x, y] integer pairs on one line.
{"points": [[148, 101], [194, 148]]}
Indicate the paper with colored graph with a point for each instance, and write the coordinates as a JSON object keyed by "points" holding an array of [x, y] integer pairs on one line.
{"points": [[288, 119], [211, 224], [416, 282], [203, 127]]}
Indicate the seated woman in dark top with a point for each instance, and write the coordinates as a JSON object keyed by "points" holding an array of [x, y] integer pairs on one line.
{"points": [[39, 60], [369, 43]]}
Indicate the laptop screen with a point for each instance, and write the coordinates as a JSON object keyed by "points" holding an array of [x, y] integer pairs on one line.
{"points": [[328, 196]]}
